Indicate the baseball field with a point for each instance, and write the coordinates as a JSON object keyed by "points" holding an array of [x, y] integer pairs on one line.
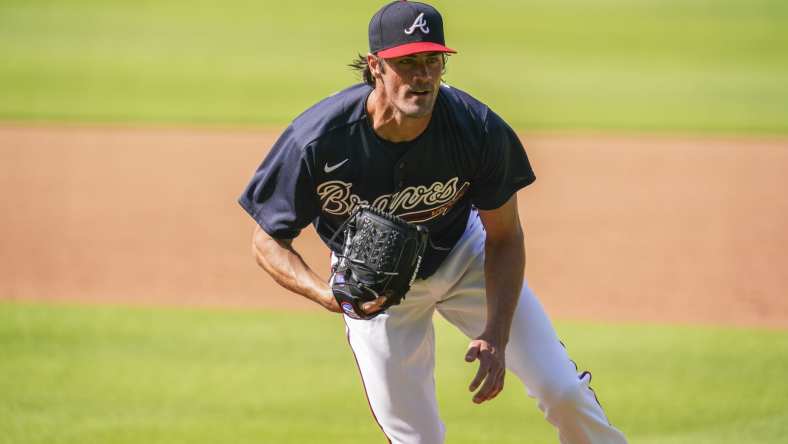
{"points": [[132, 311]]}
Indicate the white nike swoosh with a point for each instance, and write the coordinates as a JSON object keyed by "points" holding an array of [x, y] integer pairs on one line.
{"points": [[329, 169]]}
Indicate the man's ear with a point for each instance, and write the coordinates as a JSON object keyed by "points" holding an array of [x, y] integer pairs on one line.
{"points": [[375, 65]]}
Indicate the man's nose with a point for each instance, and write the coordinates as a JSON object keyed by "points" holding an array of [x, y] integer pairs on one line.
{"points": [[422, 71]]}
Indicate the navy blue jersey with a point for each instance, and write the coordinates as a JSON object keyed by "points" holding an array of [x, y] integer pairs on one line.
{"points": [[329, 160]]}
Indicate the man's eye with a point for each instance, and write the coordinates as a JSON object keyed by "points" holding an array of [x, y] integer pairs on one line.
{"points": [[433, 60], [406, 61]]}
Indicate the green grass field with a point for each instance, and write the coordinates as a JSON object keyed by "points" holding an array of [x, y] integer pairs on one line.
{"points": [[114, 375], [77, 374], [639, 65]]}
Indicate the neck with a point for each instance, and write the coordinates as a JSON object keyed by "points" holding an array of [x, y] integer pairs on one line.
{"points": [[389, 123]]}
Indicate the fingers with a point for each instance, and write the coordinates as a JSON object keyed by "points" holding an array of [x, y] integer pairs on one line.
{"points": [[373, 306], [491, 372], [472, 353], [493, 385], [481, 374], [470, 356]]}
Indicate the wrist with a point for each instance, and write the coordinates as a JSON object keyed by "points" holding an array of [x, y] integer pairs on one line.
{"points": [[496, 335], [325, 297]]}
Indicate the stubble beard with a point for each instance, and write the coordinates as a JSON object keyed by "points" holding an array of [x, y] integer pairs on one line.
{"points": [[417, 111]]}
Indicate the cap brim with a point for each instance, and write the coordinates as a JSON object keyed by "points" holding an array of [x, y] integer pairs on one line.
{"points": [[413, 48]]}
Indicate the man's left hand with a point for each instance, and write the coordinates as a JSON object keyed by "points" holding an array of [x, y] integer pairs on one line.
{"points": [[492, 368]]}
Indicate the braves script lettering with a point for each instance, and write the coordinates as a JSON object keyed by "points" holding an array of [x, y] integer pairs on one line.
{"points": [[337, 198]]}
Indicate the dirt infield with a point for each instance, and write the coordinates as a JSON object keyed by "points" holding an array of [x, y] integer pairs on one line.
{"points": [[662, 229]]}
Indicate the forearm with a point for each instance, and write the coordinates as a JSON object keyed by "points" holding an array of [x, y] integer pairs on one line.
{"points": [[288, 268], [503, 272]]}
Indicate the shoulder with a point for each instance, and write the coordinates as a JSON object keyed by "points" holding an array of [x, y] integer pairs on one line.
{"points": [[464, 106], [334, 112], [472, 117], [486, 119]]}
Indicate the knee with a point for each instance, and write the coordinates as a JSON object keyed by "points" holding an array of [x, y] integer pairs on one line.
{"points": [[564, 397], [575, 411]]}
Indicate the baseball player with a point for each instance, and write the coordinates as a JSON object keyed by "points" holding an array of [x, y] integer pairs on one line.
{"points": [[408, 145]]}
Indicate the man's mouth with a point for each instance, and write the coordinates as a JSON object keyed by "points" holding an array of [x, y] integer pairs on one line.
{"points": [[420, 92]]}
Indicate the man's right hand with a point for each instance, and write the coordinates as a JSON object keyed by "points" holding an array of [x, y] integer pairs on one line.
{"points": [[368, 307]]}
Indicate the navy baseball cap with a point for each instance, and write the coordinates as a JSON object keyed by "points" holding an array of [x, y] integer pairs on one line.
{"points": [[402, 28]]}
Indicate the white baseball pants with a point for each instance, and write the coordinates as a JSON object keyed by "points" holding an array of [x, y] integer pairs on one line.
{"points": [[395, 353]]}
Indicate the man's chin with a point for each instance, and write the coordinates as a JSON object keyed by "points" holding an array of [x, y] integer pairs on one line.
{"points": [[416, 112]]}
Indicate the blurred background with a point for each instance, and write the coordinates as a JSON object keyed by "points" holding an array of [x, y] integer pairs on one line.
{"points": [[673, 65], [131, 308]]}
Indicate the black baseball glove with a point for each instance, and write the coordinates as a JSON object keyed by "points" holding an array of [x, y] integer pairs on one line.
{"points": [[379, 262]]}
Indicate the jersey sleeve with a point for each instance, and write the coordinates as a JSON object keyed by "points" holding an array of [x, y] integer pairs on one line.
{"points": [[281, 195], [504, 166]]}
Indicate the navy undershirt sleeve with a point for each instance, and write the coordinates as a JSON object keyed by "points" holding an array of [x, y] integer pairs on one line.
{"points": [[281, 195], [504, 166]]}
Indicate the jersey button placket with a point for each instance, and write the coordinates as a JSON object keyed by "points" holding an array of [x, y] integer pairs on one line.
{"points": [[400, 181]]}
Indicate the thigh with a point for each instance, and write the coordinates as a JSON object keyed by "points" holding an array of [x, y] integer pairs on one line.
{"points": [[395, 353], [534, 352]]}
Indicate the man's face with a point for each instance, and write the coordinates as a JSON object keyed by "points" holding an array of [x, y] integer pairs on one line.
{"points": [[411, 83]]}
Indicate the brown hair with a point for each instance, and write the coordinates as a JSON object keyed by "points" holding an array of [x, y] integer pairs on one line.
{"points": [[359, 64]]}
